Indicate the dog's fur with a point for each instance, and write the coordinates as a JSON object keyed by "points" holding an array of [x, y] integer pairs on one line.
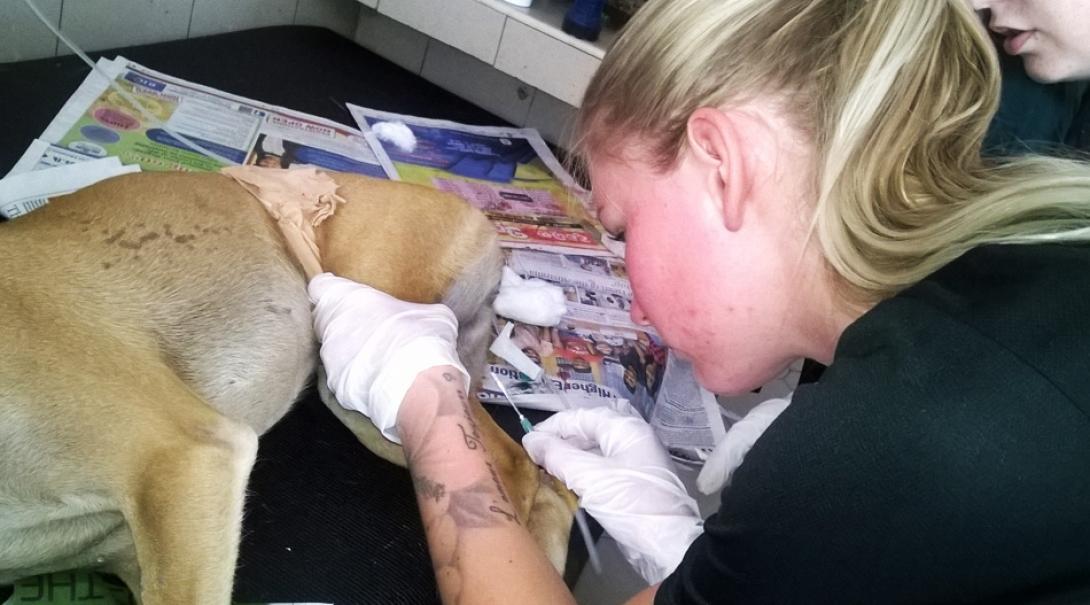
{"points": [[151, 326]]}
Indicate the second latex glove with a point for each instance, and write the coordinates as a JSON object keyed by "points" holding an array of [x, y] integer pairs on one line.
{"points": [[731, 451], [625, 480], [374, 346]]}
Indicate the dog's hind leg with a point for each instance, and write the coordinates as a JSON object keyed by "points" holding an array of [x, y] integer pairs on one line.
{"points": [[182, 496]]}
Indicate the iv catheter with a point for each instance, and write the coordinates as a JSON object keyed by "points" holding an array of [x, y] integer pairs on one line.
{"points": [[525, 422]]}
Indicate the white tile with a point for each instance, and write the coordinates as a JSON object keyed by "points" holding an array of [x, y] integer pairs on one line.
{"points": [[477, 82], [391, 40], [338, 15], [99, 24], [467, 25], [22, 35], [545, 62], [219, 16], [554, 118]]}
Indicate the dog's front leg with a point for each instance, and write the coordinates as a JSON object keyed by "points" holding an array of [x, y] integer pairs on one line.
{"points": [[185, 509]]}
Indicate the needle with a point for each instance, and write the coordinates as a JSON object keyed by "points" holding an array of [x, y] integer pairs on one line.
{"points": [[525, 422]]}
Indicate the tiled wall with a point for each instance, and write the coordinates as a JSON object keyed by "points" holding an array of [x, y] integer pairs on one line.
{"points": [[98, 24], [466, 76]]}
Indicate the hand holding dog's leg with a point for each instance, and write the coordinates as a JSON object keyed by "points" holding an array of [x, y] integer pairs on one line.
{"points": [[481, 552], [395, 362]]}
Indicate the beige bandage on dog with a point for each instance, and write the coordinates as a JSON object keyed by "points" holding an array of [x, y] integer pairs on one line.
{"points": [[299, 199]]}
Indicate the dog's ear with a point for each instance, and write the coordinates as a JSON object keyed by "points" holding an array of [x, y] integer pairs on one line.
{"points": [[410, 241]]}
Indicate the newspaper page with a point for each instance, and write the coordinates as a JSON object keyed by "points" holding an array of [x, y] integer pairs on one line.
{"points": [[590, 366], [97, 122], [509, 173], [598, 354], [585, 366], [41, 155], [596, 288], [28, 191], [686, 416], [20, 194]]}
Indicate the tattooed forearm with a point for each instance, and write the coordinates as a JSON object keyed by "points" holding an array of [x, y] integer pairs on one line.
{"points": [[478, 546], [470, 498]]}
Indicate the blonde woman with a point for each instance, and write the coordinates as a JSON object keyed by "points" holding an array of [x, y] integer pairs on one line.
{"points": [[803, 178]]}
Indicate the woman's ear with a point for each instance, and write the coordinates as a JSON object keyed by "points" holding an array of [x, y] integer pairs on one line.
{"points": [[716, 146]]}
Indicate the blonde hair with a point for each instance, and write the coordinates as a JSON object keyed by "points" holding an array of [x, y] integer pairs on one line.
{"points": [[896, 96]]}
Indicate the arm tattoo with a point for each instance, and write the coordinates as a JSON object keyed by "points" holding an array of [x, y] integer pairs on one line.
{"points": [[453, 406], [471, 507], [431, 490], [449, 513], [472, 439], [496, 481]]}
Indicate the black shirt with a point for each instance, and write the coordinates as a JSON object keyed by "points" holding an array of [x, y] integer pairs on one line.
{"points": [[1038, 118], [943, 457]]}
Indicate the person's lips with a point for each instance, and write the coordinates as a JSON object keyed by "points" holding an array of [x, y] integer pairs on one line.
{"points": [[1015, 41]]}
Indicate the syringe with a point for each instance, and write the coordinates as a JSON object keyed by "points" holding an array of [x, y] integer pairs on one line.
{"points": [[523, 420]]}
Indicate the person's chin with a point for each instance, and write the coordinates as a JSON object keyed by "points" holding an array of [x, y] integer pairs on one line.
{"points": [[1043, 71], [727, 385]]}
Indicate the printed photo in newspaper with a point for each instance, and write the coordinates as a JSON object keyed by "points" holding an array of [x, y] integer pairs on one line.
{"points": [[584, 365], [587, 366], [509, 173]]}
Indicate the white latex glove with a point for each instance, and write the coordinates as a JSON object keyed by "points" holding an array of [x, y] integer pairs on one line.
{"points": [[374, 346], [625, 480], [731, 451]]}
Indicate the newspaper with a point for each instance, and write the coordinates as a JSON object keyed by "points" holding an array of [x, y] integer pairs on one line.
{"points": [[586, 366], [596, 288], [46, 171], [41, 155], [28, 191], [97, 122], [597, 355], [686, 416], [509, 173]]}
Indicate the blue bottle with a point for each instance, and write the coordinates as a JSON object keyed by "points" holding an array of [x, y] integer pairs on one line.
{"points": [[584, 19]]}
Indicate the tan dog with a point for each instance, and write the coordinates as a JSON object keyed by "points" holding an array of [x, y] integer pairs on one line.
{"points": [[163, 312]]}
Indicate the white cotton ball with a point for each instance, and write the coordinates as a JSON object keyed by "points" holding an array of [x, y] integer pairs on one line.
{"points": [[530, 301], [397, 134]]}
